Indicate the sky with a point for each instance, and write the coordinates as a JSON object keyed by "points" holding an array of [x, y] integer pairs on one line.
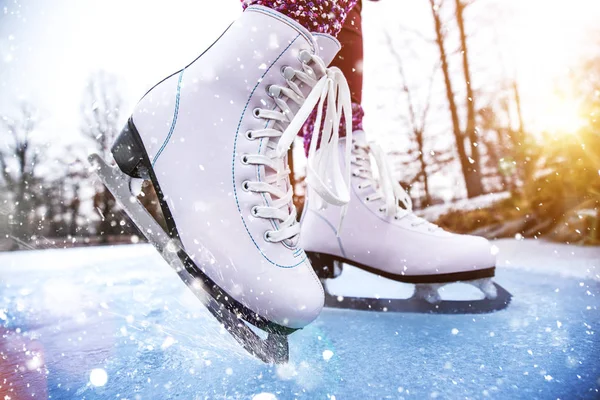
{"points": [[49, 49]]}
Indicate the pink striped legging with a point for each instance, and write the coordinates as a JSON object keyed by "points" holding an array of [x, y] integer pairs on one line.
{"points": [[342, 19]]}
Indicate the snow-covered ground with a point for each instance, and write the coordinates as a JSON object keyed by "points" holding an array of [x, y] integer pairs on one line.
{"points": [[567, 261], [117, 323], [432, 213]]}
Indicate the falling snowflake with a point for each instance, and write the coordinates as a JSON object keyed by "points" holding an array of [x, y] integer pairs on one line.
{"points": [[98, 377], [327, 354]]}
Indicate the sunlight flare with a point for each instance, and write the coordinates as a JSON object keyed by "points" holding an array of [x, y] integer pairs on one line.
{"points": [[561, 116]]}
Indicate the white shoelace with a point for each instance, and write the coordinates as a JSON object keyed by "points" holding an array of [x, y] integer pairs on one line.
{"points": [[323, 165], [396, 201]]}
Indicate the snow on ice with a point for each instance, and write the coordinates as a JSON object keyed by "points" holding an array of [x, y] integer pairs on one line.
{"points": [[116, 321]]}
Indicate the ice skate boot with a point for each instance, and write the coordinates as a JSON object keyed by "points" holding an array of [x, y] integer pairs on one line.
{"points": [[381, 235], [213, 139]]}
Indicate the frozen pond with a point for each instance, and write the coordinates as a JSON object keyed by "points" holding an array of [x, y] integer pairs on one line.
{"points": [[117, 323]]}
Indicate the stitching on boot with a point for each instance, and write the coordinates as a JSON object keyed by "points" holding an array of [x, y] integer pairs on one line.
{"points": [[339, 239], [175, 114]]}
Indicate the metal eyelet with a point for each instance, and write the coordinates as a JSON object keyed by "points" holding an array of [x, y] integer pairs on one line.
{"points": [[254, 211], [256, 112], [304, 56], [288, 73], [381, 209], [273, 91], [249, 135], [244, 159], [267, 236], [359, 187], [246, 186], [367, 199]]}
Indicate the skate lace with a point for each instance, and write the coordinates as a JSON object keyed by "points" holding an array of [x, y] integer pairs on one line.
{"points": [[395, 201], [331, 89]]}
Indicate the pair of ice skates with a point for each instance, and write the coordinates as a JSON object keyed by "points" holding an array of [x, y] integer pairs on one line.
{"points": [[213, 140]]}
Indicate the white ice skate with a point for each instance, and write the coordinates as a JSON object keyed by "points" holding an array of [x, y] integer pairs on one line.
{"points": [[213, 140], [381, 235]]}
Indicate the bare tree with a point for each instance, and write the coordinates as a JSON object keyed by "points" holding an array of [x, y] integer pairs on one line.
{"points": [[469, 161], [417, 118], [494, 138], [19, 157], [470, 130], [75, 172], [101, 109]]}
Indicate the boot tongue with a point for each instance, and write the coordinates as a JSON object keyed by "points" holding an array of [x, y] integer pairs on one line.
{"points": [[327, 46], [359, 137]]}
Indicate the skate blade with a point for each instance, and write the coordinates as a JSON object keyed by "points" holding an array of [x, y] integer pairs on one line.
{"points": [[426, 297], [273, 349], [428, 301], [430, 292]]}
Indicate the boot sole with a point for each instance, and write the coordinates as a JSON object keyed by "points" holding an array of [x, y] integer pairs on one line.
{"points": [[323, 265]]}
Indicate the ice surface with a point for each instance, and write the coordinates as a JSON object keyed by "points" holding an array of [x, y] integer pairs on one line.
{"points": [[119, 317]]}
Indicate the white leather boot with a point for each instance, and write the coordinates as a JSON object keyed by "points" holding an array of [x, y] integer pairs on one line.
{"points": [[380, 236], [213, 138]]}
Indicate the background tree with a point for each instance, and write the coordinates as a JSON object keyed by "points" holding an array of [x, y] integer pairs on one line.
{"points": [[495, 140], [417, 158], [101, 110], [19, 158], [465, 139]]}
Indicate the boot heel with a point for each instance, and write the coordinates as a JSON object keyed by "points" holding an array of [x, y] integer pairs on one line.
{"points": [[129, 153], [323, 264]]}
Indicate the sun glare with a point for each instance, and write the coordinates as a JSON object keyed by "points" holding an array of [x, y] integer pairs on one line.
{"points": [[560, 116], [548, 39]]}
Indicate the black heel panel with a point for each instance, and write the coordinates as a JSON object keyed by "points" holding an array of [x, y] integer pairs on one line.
{"points": [[129, 153], [322, 264]]}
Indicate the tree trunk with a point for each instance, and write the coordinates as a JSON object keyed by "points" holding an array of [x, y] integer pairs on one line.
{"points": [[74, 211], [524, 169], [470, 131], [104, 226], [506, 182], [519, 111], [472, 178], [21, 219], [423, 165]]}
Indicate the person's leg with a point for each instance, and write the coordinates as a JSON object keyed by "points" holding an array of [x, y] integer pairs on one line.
{"points": [[318, 16], [350, 57], [350, 61]]}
